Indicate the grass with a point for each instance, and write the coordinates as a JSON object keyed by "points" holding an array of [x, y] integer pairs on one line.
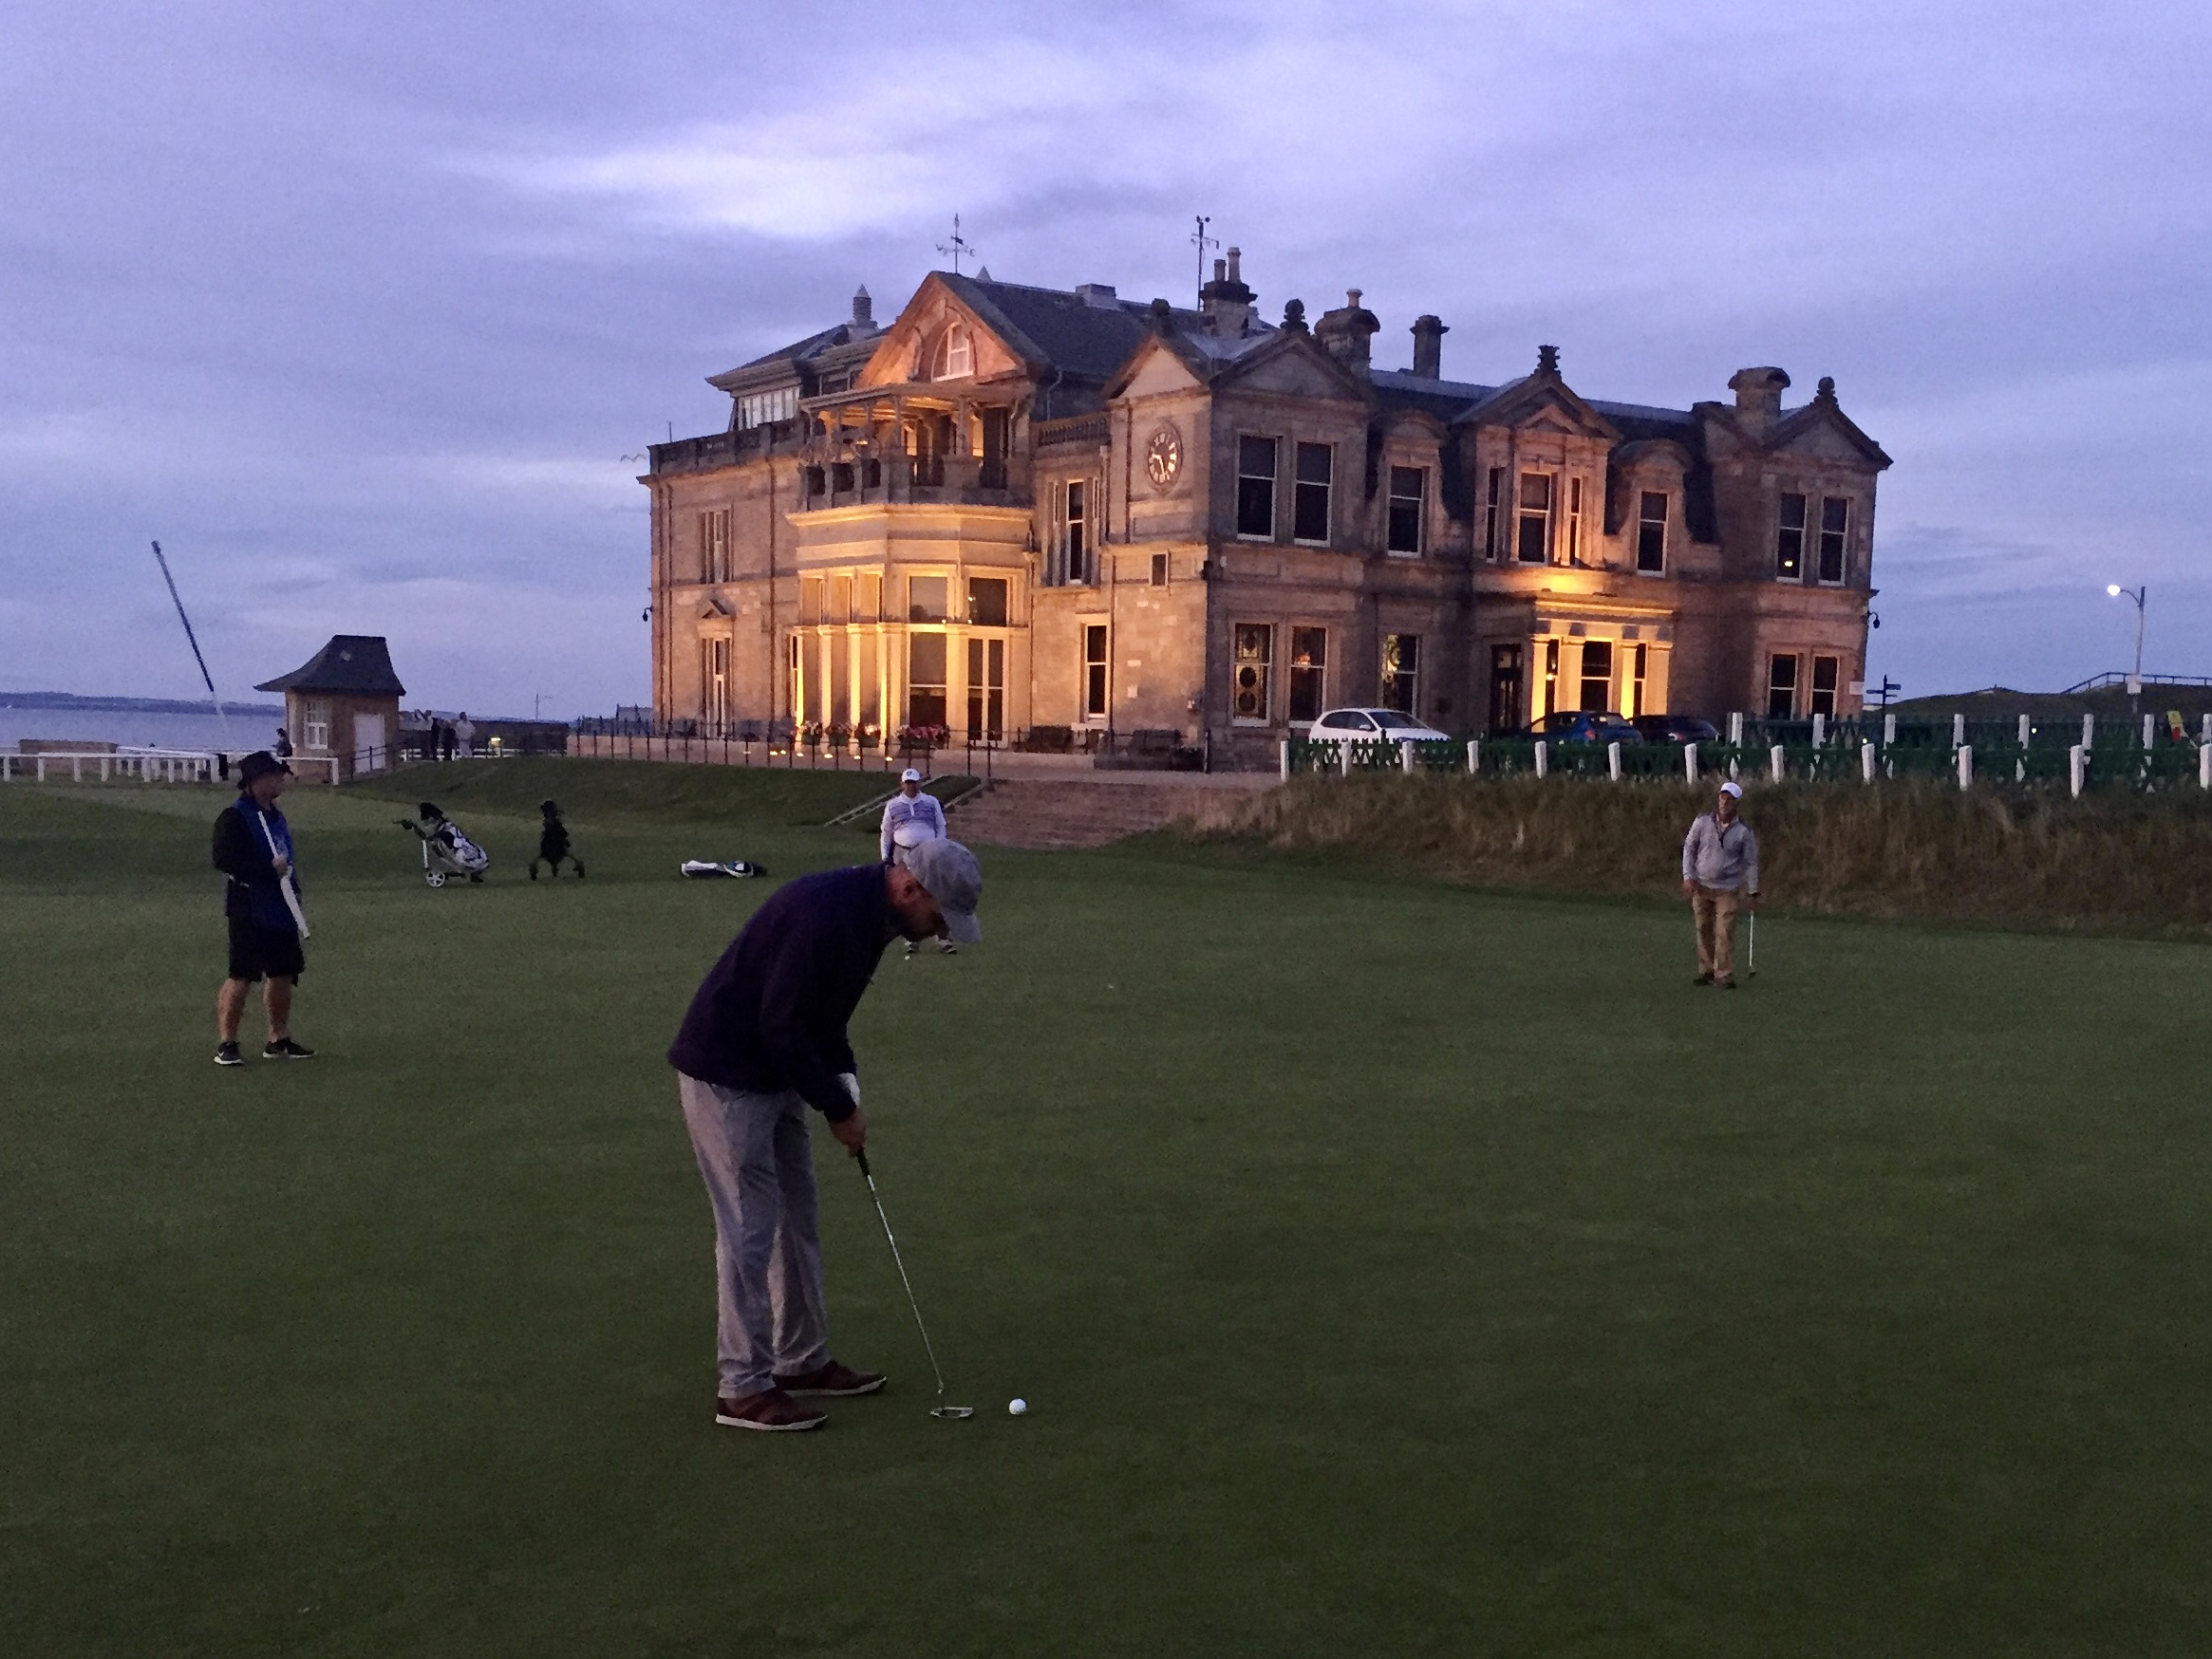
{"points": [[2023, 857], [1392, 1268]]}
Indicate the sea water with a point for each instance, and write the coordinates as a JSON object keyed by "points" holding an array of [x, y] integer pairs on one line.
{"points": [[139, 729]]}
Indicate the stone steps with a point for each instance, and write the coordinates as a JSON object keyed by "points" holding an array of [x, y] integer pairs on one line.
{"points": [[1050, 816]]}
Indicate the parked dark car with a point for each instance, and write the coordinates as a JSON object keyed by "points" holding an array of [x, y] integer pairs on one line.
{"points": [[1584, 726], [1676, 729]]}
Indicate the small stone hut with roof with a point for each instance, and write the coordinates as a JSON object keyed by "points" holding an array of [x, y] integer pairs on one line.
{"points": [[344, 703]]}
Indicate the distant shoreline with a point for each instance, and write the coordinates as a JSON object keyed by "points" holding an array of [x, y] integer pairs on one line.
{"points": [[132, 705]]}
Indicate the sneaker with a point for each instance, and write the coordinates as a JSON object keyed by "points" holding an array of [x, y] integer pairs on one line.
{"points": [[947, 948], [227, 1054], [772, 1412], [1728, 984], [1702, 979], [287, 1050], [912, 948], [829, 1380]]}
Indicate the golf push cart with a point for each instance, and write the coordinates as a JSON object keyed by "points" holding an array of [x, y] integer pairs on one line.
{"points": [[446, 852]]}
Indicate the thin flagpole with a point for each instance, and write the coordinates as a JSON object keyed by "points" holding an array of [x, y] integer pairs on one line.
{"points": [[192, 639]]}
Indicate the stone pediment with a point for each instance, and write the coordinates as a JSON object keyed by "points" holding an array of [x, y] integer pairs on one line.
{"points": [[1541, 403], [1155, 370], [1291, 366], [909, 350], [1823, 432]]}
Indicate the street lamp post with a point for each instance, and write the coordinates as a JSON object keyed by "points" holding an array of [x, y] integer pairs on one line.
{"points": [[2135, 680]]}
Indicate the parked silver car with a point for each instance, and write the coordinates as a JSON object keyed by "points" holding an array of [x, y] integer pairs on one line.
{"points": [[1373, 726]]}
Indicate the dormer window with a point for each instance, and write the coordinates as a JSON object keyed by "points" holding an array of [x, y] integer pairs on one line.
{"points": [[955, 357]]}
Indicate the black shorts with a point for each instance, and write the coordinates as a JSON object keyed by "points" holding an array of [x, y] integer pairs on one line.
{"points": [[264, 952]]}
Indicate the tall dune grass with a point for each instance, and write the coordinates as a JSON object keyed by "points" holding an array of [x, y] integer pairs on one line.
{"points": [[1899, 850]]}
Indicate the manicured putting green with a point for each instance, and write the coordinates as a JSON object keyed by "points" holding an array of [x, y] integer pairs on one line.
{"points": [[1389, 1269]]}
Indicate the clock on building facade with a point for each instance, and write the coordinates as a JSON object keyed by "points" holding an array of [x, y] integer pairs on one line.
{"points": [[1163, 457]]}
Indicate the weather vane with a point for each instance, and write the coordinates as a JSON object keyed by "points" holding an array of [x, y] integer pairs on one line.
{"points": [[958, 246], [1204, 242]]}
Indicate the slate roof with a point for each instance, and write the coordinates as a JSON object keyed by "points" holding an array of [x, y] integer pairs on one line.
{"points": [[1065, 330], [350, 665]]}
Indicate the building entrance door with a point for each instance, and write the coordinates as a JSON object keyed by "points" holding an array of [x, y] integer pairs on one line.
{"points": [[986, 688], [370, 754], [1506, 688]]}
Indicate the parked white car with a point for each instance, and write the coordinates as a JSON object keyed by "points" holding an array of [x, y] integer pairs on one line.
{"points": [[1372, 726]]}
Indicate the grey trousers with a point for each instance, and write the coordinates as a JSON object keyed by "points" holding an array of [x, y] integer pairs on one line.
{"points": [[757, 1158]]}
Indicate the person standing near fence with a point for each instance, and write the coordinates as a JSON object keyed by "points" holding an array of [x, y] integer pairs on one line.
{"points": [[464, 732], [1720, 875], [253, 848], [910, 818]]}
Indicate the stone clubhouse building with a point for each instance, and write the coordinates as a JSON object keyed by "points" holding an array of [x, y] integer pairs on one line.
{"points": [[1017, 507]]}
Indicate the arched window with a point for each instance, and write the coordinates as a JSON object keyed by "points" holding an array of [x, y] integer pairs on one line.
{"points": [[955, 358]]}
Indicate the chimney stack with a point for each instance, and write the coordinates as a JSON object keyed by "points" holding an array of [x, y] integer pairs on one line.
{"points": [[1429, 333], [1345, 333], [1758, 398], [1226, 302], [863, 309]]}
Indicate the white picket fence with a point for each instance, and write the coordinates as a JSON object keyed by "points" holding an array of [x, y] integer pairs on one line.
{"points": [[145, 765]]}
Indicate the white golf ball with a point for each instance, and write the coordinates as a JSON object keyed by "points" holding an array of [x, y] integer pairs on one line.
{"points": [[1015, 1408]]}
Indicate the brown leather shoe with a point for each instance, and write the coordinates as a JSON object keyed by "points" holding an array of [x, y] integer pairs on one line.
{"points": [[772, 1410], [829, 1380]]}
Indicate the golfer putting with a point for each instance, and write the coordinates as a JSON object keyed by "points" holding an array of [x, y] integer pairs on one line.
{"points": [[1721, 874], [764, 1041]]}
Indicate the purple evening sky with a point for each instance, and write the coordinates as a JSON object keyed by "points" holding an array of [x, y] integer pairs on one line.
{"points": [[359, 308]]}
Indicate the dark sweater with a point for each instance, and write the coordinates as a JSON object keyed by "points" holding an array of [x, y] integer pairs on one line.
{"points": [[254, 890], [772, 1014]]}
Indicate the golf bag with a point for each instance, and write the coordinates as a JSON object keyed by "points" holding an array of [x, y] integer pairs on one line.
{"points": [[446, 852]]}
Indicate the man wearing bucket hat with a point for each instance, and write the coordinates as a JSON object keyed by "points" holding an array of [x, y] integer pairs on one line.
{"points": [[764, 1041], [910, 818], [1720, 873], [253, 848]]}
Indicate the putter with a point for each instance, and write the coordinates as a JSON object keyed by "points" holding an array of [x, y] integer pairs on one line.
{"points": [[941, 1411], [1751, 969]]}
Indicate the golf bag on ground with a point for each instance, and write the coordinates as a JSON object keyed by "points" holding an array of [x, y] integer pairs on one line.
{"points": [[700, 868]]}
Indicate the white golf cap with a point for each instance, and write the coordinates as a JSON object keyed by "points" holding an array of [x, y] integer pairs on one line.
{"points": [[910, 776], [1732, 788], [949, 874]]}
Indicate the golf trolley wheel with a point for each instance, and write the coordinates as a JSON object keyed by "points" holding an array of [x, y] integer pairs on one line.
{"points": [[434, 877]]}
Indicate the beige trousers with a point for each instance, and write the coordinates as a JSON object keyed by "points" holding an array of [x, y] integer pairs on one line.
{"points": [[1713, 911]]}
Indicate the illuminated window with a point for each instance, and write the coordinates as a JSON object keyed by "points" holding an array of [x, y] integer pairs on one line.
{"points": [[1256, 486], [1790, 540], [1782, 687], [1094, 672], [1835, 519], [867, 600], [1409, 487], [1597, 675], [1651, 533], [1534, 541], [1824, 687], [840, 599], [1309, 662], [955, 357], [1574, 521], [1493, 501], [1309, 519], [1637, 665], [1249, 688], [1402, 672]]}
